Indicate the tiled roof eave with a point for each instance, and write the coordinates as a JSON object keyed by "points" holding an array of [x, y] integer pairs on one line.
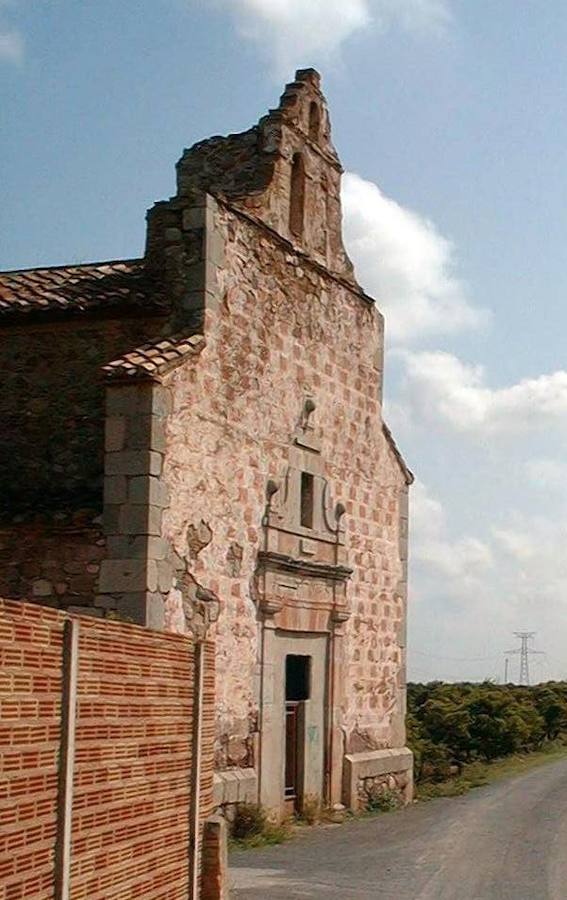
{"points": [[154, 360], [92, 289]]}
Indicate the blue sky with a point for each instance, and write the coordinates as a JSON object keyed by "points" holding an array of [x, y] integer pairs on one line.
{"points": [[449, 118]]}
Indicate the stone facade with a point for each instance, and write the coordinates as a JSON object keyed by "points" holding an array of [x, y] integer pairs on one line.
{"points": [[54, 561], [52, 406], [52, 410], [247, 464]]}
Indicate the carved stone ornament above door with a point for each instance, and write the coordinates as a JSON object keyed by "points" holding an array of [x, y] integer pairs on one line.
{"points": [[302, 572]]}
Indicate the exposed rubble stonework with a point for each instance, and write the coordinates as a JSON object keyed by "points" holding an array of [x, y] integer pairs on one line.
{"points": [[247, 464], [52, 410], [53, 561]]}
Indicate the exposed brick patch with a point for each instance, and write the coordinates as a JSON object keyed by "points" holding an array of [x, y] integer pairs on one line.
{"points": [[234, 556]]}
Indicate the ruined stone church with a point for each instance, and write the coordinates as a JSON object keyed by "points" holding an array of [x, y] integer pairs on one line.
{"points": [[203, 426]]}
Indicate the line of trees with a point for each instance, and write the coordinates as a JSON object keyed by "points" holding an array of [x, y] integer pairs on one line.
{"points": [[450, 725]]}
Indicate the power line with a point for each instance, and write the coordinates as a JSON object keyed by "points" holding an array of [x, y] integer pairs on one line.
{"points": [[458, 658]]}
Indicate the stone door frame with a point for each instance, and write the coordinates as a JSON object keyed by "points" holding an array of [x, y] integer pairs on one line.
{"points": [[301, 581], [277, 645]]}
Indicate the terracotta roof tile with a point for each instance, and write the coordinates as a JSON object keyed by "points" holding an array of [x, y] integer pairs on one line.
{"points": [[155, 358], [79, 289]]}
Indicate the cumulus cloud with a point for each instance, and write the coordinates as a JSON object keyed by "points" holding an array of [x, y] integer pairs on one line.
{"points": [[534, 545], [532, 575], [547, 473], [298, 32], [461, 558], [470, 592], [440, 387], [406, 264], [11, 47], [516, 544]]}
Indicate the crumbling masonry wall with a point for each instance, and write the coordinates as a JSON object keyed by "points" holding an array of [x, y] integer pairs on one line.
{"points": [[285, 329], [52, 408], [252, 246], [55, 562]]}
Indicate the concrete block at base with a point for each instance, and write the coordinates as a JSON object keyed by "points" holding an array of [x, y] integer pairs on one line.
{"points": [[235, 786], [225, 788], [374, 764]]}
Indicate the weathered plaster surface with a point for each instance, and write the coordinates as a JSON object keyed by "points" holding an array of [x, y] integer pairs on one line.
{"points": [[285, 330]]}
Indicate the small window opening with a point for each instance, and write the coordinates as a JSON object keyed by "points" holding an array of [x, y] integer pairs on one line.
{"points": [[314, 122], [297, 678], [297, 195], [306, 499]]}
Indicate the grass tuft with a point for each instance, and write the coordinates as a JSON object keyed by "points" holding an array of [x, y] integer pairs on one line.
{"points": [[252, 828]]}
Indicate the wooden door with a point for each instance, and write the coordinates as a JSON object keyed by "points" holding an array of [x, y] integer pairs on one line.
{"points": [[292, 755]]}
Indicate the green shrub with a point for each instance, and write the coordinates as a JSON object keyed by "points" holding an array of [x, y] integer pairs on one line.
{"points": [[452, 725], [310, 809], [382, 800], [251, 827], [250, 819]]}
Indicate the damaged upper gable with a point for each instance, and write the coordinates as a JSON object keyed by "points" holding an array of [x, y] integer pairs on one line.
{"points": [[283, 171]]}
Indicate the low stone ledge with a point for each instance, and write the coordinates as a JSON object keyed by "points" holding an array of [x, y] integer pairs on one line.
{"points": [[235, 786], [395, 764]]}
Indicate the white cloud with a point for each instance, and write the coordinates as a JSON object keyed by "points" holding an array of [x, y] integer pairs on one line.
{"points": [[413, 15], [549, 474], [441, 388], [469, 593], [406, 264], [301, 32], [516, 544], [11, 41], [458, 558], [427, 513], [11, 47], [532, 577]]}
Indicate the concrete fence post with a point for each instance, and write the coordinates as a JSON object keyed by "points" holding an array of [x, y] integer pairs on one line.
{"points": [[215, 859], [66, 759], [195, 810]]}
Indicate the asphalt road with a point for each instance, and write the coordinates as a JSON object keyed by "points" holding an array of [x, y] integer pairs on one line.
{"points": [[507, 841]]}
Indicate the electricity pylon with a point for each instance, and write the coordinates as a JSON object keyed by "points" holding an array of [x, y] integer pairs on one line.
{"points": [[525, 652]]}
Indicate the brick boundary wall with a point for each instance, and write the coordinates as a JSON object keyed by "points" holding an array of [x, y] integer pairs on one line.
{"points": [[95, 791]]}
